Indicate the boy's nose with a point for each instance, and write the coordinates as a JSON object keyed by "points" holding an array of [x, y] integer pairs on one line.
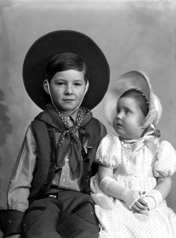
{"points": [[69, 90]]}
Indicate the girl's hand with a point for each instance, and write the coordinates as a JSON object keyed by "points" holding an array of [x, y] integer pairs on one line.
{"points": [[140, 206]]}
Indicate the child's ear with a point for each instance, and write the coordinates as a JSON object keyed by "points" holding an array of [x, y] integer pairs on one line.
{"points": [[46, 86], [87, 87]]}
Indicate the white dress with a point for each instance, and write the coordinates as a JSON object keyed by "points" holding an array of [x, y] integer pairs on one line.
{"points": [[140, 173]]}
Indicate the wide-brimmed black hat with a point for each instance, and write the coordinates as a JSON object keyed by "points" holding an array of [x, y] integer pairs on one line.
{"points": [[56, 42]]}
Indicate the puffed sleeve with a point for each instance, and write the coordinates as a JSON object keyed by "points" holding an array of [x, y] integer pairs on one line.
{"points": [[165, 164], [109, 151]]}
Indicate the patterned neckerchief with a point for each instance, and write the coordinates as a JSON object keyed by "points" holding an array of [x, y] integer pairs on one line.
{"points": [[69, 140]]}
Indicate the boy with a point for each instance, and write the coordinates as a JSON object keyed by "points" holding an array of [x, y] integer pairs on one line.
{"points": [[65, 74]]}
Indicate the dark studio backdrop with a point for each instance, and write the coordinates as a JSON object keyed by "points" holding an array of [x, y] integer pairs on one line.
{"points": [[132, 34]]}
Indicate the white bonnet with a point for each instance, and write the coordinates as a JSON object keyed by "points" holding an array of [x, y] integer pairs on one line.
{"points": [[136, 80]]}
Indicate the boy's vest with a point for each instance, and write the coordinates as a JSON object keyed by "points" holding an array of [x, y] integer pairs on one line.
{"points": [[46, 154]]}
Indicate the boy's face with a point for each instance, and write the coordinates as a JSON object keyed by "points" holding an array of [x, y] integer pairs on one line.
{"points": [[67, 89], [129, 120]]}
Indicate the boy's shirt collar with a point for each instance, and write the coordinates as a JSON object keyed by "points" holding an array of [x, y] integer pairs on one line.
{"points": [[72, 116], [50, 117]]}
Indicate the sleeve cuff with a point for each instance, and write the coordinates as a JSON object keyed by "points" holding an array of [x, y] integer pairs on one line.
{"points": [[10, 222]]}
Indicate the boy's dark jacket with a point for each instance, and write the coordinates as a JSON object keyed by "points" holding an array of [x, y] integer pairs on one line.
{"points": [[44, 127]]}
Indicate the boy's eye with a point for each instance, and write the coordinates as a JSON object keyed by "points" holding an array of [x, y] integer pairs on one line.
{"points": [[60, 83], [78, 84]]}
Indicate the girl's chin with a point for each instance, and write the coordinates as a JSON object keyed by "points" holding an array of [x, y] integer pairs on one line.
{"points": [[121, 135], [119, 131]]}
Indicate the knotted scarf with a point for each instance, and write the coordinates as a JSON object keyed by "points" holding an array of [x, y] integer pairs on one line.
{"points": [[68, 140]]}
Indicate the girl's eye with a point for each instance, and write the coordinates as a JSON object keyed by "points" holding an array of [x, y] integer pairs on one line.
{"points": [[127, 111]]}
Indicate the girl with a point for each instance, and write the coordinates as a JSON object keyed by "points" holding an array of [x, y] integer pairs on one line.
{"points": [[134, 176]]}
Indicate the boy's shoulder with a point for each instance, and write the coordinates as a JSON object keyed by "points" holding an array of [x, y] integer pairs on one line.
{"points": [[39, 128], [43, 119], [95, 124], [37, 121], [96, 121]]}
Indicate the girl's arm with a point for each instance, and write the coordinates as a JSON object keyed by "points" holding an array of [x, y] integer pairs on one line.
{"points": [[164, 186], [111, 187], [161, 191], [155, 197], [104, 172]]}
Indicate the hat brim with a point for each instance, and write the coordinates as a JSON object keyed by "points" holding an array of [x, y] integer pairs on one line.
{"points": [[36, 60]]}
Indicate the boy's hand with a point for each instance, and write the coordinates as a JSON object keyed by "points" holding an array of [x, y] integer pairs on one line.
{"points": [[140, 206]]}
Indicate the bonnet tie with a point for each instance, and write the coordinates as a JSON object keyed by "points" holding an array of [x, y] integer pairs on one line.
{"points": [[150, 139]]}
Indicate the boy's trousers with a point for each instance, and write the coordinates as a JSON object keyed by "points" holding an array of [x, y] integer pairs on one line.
{"points": [[67, 214]]}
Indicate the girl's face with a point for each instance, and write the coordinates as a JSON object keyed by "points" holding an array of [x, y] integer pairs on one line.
{"points": [[129, 119], [67, 89]]}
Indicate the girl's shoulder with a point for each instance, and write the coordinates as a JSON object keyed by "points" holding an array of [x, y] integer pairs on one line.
{"points": [[165, 147], [165, 164], [111, 139], [109, 151]]}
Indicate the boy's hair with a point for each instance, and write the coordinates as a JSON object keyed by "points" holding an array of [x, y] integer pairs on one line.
{"points": [[65, 61], [140, 99], [61, 62]]}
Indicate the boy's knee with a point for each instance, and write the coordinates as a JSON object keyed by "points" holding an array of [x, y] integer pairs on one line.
{"points": [[82, 223], [41, 219]]}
